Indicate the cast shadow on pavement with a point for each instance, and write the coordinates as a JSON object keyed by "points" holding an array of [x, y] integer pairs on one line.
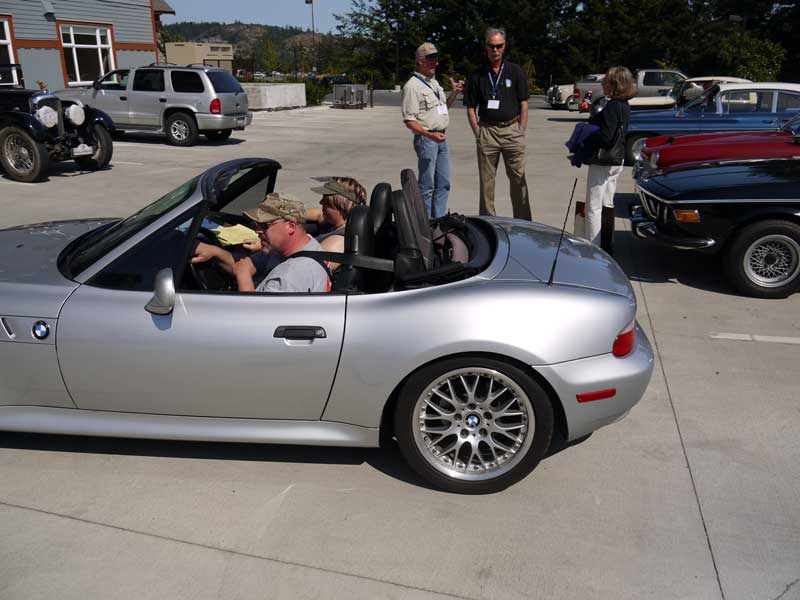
{"points": [[387, 459], [650, 262], [157, 139], [567, 119]]}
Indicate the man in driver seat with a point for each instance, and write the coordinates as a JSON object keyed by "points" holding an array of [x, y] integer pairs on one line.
{"points": [[280, 222]]}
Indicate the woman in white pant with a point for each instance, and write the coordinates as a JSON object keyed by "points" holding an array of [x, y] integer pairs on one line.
{"points": [[605, 168]]}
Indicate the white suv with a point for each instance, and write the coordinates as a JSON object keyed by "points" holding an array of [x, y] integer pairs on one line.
{"points": [[182, 102]]}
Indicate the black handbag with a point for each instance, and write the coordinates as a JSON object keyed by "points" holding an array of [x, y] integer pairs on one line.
{"points": [[613, 156]]}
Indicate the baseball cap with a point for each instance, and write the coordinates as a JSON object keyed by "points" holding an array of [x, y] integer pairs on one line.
{"points": [[277, 205], [426, 49], [334, 187]]}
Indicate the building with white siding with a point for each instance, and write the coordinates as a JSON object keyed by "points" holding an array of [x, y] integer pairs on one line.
{"points": [[73, 42]]}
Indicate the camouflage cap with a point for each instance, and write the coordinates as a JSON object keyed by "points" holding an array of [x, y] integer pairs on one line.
{"points": [[334, 187], [278, 205]]}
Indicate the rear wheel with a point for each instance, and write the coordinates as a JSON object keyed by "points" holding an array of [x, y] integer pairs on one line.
{"points": [[181, 129], [764, 259], [104, 149], [23, 158], [218, 136], [473, 425]]}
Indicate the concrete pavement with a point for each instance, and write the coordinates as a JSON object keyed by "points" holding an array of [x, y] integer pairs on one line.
{"points": [[694, 495]]}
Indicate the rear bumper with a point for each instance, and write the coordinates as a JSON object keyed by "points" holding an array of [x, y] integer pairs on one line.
{"points": [[629, 376], [645, 228], [216, 122]]}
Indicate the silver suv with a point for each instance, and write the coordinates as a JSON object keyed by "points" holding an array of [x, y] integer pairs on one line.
{"points": [[182, 102]]}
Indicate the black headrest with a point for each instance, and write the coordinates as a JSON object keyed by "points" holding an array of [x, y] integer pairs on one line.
{"points": [[380, 205], [359, 232], [416, 206]]}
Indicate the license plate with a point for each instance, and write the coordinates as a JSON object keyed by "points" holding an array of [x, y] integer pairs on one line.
{"points": [[82, 150]]}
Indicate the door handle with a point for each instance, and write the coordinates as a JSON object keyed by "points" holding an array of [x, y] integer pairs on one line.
{"points": [[299, 332], [123, 97], [162, 99]]}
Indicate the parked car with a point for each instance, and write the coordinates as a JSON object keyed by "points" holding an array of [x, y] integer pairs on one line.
{"points": [[471, 348], [181, 102], [649, 82], [745, 211], [588, 83], [683, 91], [666, 151], [724, 107], [35, 129], [561, 96], [332, 80]]}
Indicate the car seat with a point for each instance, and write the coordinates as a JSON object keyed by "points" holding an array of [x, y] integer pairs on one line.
{"points": [[380, 207], [358, 239], [419, 215]]}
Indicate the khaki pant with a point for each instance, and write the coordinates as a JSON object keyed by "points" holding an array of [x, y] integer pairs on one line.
{"points": [[510, 142]]}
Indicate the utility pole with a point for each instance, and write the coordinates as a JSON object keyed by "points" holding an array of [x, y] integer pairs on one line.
{"points": [[313, 36]]}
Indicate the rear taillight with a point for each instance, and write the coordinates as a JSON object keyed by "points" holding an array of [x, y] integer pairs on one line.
{"points": [[576, 92], [623, 345], [216, 107]]}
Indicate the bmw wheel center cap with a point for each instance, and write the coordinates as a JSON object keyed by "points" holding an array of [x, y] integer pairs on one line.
{"points": [[473, 420], [41, 330]]}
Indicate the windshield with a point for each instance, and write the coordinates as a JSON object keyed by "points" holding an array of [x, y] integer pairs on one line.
{"points": [[224, 82], [100, 242], [706, 102], [793, 125]]}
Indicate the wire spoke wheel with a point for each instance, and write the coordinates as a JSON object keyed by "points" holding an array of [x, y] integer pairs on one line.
{"points": [[19, 153], [473, 424], [772, 260]]}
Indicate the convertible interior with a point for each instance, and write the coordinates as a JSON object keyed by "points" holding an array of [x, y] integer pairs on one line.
{"points": [[390, 244]]}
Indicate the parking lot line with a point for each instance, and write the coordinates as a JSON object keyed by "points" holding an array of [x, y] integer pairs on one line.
{"points": [[122, 162], [747, 337], [122, 146]]}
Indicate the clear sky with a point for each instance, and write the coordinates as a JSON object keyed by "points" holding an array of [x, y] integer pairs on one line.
{"points": [[266, 12]]}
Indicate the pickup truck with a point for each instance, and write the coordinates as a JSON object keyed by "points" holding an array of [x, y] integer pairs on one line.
{"points": [[649, 82]]}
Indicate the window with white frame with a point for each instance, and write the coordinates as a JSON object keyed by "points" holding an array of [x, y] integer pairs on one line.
{"points": [[88, 54]]}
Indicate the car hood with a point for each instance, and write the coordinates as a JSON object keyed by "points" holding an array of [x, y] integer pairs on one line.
{"points": [[532, 248], [757, 179], [30, 282]]}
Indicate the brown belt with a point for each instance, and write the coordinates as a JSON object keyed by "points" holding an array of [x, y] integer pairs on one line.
{"points": [[499, 123]]}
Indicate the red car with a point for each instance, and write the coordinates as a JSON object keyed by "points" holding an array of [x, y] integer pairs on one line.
{"points": [[667, 150]]}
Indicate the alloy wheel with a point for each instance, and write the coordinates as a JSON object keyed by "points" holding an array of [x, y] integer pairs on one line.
{"points": [[179, 130], [473, 424], [772, 261]]}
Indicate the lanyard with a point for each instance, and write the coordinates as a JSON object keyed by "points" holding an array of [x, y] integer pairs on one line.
{"points": [[494, 83], [429, 87]]}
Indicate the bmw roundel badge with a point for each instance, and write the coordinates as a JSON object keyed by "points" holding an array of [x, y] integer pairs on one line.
{"points": [[41, 330]]}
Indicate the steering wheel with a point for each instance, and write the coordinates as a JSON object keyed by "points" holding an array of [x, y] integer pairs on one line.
{"points": [[206, 274]]}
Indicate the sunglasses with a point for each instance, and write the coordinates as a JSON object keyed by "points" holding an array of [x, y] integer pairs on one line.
{"points": [[495, 46], [432, 57]]}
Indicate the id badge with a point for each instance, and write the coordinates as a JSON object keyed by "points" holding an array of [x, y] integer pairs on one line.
{"points": [[442, 108], [508, 83], [493, 104]]}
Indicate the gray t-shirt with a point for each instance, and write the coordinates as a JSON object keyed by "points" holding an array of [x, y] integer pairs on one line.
{"points": [[302, 274]]}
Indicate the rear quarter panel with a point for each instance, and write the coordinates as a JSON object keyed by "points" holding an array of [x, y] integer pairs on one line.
{"points": [[388, 336]]}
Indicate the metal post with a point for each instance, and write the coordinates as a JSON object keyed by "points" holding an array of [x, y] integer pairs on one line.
{"points": [[313, 35]]}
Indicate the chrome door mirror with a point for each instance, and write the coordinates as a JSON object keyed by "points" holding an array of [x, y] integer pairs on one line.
{"points": [[163, 300]]}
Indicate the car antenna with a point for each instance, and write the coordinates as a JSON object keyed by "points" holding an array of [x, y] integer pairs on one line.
{"points": [[561, 237]]}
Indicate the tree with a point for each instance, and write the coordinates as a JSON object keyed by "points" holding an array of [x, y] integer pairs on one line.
{"points": [[267, 58], [745, 56]]}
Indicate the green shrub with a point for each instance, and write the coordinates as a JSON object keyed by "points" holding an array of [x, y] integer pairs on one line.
{"points": [[315, 93]]}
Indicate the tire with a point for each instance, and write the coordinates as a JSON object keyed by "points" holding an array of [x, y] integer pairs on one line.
{"points": [[763, 260], [629, 147], [218, 136], [571, 104], [450, 462], [102, 155], [23, 158], [181, 129]]}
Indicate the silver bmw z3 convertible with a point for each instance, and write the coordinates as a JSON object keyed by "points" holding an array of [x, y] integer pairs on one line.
{"points": [[470, 341]]}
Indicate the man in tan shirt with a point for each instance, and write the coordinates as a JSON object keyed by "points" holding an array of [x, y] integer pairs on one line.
{"points": [[425, 112]]}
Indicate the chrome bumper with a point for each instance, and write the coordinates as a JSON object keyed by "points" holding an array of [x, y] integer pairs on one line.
{"points": [[216, 122], [644, 228]]}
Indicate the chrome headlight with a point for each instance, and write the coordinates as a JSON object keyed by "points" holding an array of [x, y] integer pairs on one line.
{"points": [[654, 159], [75, 114], [637, 150], [47, 116]]}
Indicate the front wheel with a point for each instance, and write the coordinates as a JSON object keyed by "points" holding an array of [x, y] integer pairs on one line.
{"points": [[764, 259], [182, 129], [473, 425], [104, 149], [23, 158], [218, 136]]}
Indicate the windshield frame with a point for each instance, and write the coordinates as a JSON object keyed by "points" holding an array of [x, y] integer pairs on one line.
{"points": [[792, 125], [711, 93]]}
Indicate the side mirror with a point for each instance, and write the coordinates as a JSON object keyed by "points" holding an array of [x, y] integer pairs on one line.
{"points": [[163, 300]]}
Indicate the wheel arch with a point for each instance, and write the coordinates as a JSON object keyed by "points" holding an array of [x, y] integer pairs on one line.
{"points": [[26, 122], [559, 416], [168, 112], [761, 214]]}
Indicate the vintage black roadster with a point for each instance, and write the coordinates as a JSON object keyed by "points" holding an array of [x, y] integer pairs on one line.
{"points": [[36, 128], [749, 211]]}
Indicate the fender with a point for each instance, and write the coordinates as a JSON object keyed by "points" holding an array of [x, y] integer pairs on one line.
{"points": [[26, 122], [94, 115]]}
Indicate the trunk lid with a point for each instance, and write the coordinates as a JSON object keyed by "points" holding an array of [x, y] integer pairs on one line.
{"points": [[232, 97], [532, 248]]}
